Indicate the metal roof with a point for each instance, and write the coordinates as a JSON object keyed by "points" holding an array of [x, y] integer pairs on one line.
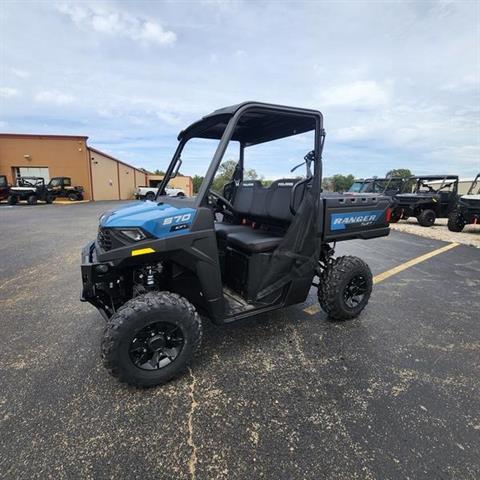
{"points": [[434, 177], [261, 122]]}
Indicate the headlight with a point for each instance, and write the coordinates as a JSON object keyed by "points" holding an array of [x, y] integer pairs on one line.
{"points": [[134, 234]]}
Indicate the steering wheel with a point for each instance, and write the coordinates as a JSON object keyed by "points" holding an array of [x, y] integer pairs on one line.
{"points": [[221, 199]]}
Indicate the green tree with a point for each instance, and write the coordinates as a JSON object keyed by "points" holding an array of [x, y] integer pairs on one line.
{"points": [[197, 181], [159, 172], [399, 172], [225, 174], [338, 182]]}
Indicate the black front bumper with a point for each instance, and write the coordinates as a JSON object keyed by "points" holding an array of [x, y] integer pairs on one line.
{"points": [[88, 264], [90, 278]]}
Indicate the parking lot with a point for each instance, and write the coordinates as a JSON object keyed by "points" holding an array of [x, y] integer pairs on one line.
{"points": [[392, 394]]}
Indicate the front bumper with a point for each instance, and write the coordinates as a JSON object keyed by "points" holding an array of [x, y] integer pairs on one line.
{"points": [[88, 255], [91, 278]]}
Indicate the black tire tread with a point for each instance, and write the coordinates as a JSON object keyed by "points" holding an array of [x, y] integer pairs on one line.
{"points": [[456, 222], [422, 218], [330, 280], [117, 323]]}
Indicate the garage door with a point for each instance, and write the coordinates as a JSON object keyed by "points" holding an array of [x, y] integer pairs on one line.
{"points": [[33, 172]]}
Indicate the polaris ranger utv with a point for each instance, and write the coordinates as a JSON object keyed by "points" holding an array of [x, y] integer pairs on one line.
{"points": [[156, 266], [62, 187], [388, 186], [31, 189], [432, 196], [467, 209]]}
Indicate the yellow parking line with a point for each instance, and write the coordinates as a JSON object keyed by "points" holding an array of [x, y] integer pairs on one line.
{"points": [[69, 202], [415, 261], [313, 309]]}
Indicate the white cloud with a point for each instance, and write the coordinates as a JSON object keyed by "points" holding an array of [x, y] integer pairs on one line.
{"points": [[20, 72], [368, 94], [8, 92], [110, 22], [54, 97], [151, 32]]}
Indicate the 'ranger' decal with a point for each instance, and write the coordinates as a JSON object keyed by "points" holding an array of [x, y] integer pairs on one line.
{"points": [[339, 221]]}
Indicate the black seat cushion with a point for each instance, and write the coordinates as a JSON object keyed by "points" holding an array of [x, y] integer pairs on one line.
{"points": [[223, 229], [254, 241]]}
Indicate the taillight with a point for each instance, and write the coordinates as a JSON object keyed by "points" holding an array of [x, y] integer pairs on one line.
{"points": [[388, 214]]}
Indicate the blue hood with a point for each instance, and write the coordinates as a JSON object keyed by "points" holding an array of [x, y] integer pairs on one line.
{"points": [[160, 220]]}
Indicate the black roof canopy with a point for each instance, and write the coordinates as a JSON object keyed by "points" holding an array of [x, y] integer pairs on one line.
{"points": [[261, 122], [434, 177]]}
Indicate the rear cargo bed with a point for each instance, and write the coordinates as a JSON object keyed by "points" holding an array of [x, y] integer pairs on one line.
{"points": [[350, 216]]}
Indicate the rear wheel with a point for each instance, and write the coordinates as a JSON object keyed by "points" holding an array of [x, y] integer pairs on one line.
{"points": [[150, 196], [49, 198], [180, 194], [426, 218], [456, 222], [73, 197], [12, 200], [396, 215], [345, 288], [32, 199], [151, 339]]}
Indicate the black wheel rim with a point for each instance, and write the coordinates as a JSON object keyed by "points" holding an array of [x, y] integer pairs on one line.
{"points": [[156, 346], [355, 291]]}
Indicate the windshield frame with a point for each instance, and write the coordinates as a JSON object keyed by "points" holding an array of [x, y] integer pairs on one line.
{"points": [[201, 198]]}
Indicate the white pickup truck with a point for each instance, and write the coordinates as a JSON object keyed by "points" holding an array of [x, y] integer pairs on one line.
{"points": [[149, 193]]}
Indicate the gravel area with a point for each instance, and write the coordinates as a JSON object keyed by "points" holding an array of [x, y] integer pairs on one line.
{"points": [[469, 236]]}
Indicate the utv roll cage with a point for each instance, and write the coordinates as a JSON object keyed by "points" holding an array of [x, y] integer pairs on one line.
{"points": [[474, 184], [423, 180], [33, 182], [382, 183], [249, 123]]}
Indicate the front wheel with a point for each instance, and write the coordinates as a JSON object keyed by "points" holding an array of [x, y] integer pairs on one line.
{"points": [[49, 199], [456, 222], [426, 218], [345, 288], [32, 200], [151, 339], [150, 196]]}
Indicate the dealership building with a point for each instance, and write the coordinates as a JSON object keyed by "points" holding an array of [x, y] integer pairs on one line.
{"points": [[102, 176]]}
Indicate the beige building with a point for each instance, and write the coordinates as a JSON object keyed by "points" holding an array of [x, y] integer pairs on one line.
{"points": [[102, 176], [183, 182]]}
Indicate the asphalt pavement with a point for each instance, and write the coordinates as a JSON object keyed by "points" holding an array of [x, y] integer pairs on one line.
{"points": [[287, 395]]}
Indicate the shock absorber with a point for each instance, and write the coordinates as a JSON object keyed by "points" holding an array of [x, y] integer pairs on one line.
{"points": [[150, 277]]}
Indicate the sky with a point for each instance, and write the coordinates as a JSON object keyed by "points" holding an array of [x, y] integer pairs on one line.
{"points": [[398, 82]]}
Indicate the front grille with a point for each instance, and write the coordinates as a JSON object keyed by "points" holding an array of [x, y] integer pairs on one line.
{"points": [[104, 238]]}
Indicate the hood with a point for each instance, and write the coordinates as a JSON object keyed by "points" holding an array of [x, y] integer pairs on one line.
{"points": [[472, 201], [471, 197], [158, 219]]}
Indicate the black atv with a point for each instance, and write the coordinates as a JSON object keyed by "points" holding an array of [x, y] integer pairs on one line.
{"points": [[157, 267], [62, 187], [4, 187], [432, 196], [467, 208], [31, 189]]}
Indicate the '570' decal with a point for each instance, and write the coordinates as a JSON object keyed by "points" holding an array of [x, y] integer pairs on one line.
{"points": [[177, 219]]}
